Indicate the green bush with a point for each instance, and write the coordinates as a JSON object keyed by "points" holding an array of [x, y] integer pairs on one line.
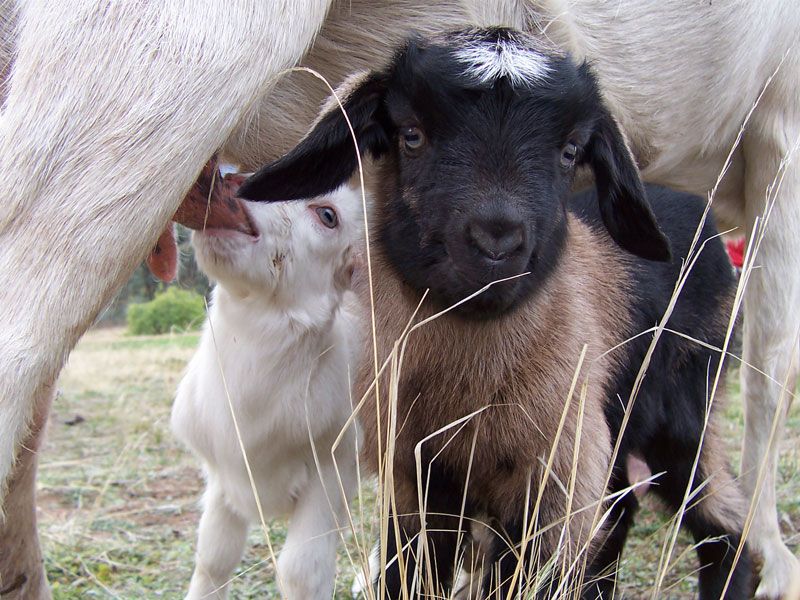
{"points": [[174, 309]]}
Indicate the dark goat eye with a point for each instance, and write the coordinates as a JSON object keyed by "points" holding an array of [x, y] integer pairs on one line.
{"points": [[327, 216], [569, 153], [412, 138]]}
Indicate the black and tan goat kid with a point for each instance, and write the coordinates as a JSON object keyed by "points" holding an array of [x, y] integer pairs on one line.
{"points": [[476, 137]]}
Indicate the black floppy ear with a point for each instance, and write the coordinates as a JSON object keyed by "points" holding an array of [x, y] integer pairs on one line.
{"points": [[326, 157], [623, 202]]}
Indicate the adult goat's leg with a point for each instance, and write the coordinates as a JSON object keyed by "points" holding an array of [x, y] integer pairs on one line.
{"points": [[112, 111], [771, 320], [21, 572], [111, 114]]}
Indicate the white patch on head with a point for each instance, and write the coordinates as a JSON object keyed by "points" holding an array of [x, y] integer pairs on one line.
{"points": [[489, 62]]}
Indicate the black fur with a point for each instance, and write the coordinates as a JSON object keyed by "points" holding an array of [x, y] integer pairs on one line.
{"points": [[493, 163], [667, 419], [625, 213], [493, 157], [310, 169]]}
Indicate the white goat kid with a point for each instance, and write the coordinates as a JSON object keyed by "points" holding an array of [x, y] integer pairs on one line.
{"points": [[113, 108], [275, 355]]}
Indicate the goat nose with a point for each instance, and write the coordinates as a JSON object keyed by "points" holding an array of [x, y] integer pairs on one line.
{"points": [[496, 239]]}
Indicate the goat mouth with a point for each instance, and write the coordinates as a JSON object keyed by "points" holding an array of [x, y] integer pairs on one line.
{"points": [[453, 283], [223, 245], [212, 205], [491, 303], [241, 228], [480, 275]]}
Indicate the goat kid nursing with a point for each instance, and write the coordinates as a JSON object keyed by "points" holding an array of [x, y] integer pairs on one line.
{"points": [[477, 136], [101, 140], [276, 353]]}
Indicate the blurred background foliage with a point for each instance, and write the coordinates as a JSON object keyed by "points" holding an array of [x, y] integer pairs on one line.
{"points": [[143, 288]]}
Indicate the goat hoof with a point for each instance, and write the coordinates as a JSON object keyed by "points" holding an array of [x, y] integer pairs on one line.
{"points": [[779, 575]]}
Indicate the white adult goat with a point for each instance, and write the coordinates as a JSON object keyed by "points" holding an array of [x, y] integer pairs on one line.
{"points": [[113, 108]]}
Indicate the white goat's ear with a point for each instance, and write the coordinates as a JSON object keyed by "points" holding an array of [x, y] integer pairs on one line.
{"points": [[624, 207], [350, 271], [326, 157]]}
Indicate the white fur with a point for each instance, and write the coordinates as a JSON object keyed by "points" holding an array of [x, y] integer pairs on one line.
{"points": [[114, 107], [504, 60], [130, 100], [279, 345]]}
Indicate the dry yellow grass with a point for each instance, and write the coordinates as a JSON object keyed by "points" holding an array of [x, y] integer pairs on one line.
{"points": [[118, 495]]}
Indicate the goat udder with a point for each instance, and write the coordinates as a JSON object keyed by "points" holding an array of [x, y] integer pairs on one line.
{"points": [[638, 473], [163, 258], [211, 203]]}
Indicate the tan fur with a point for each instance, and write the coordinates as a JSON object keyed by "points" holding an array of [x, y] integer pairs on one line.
{"points": [[343, 92], [358, 35], [721, 499], [521, 367]]}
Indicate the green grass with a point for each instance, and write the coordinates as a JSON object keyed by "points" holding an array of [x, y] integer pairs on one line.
{"points": [[118, 495], [187, 340]]}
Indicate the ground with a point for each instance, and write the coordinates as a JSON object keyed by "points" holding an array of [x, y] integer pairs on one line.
{"points": [[118, 496]]}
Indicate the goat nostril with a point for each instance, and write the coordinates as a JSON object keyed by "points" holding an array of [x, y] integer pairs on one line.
{"points": [[496, 240]]}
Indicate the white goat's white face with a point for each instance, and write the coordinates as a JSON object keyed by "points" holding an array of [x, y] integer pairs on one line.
{"points": [[303, 249]]}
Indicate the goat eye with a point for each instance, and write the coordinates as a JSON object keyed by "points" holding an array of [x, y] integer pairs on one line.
{"points": [[569, 153], [327, 216], [413, 139]]}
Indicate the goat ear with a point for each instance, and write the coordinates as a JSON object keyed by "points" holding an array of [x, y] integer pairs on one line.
{"points": [[624, 207], [326, 157]]}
